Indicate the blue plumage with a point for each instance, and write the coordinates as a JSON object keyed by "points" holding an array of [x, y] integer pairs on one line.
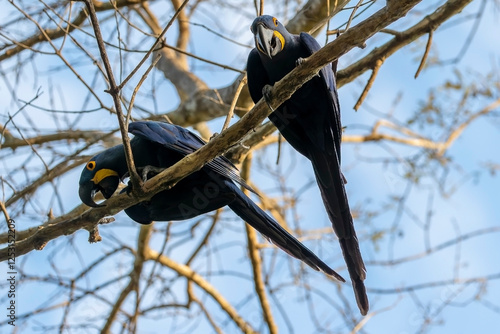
{"points": [[310, 122], [160, 145]]}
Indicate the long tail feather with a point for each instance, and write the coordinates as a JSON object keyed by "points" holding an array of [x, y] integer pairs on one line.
{"points": [[258, 219], [331, 183]]}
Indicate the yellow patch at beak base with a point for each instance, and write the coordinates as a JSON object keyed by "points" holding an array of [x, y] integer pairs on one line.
{"points": [[281, 38], [102, 174]]}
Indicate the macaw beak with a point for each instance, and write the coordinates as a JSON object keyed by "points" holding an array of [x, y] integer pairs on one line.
{"points": [[87, 192], [269, 42], [106, 186]]}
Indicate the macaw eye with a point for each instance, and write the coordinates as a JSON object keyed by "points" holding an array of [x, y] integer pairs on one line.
{"points": [[275, 20], [91, 165]]}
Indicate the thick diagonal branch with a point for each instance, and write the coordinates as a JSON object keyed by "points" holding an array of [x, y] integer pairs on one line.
{"points": [[282, 90]]}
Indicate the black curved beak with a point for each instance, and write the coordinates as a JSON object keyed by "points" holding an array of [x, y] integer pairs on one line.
{"points": [[87, 192], [107, 187], [266, 41]]}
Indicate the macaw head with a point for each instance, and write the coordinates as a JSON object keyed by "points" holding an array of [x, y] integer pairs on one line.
{"points": [[270, 35], [102, 173]]}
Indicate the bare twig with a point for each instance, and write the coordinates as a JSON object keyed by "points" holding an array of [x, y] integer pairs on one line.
{"points": [[49, 175], [430, 22], [141, 256], [5, 213], [417, 140], [5, 133], [193, 276], [226, 67], [369, 84], [243, 82], [437, 248], [458, 131], [136, 89], [204, 241], [426, 53], [256, 260], [348, 25], [115, 93], [52, 34], [448, 282], [359, 326], [155, 44]]}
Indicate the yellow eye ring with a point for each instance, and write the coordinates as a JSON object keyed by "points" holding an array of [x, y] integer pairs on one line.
{"points": [[91, 165], [275, 20]]}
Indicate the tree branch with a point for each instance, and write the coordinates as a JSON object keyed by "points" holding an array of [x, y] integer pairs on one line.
{"points": [[281, 91], [53, 34], [115, 93], [193, 276], [430, 22], [135, 273], [13, 142], [256, 259]]}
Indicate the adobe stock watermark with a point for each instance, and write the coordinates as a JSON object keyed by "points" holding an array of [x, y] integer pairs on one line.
{"points": [[423, 314], [395, 177], [11, 272], [202, 197]]}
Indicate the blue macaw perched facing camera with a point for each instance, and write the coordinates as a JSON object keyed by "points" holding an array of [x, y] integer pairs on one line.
{"points": [[310, 122], [157, 146]]}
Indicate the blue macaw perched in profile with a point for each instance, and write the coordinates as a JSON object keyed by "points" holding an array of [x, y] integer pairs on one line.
{"points": [[310, 122], [157, 146]]}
